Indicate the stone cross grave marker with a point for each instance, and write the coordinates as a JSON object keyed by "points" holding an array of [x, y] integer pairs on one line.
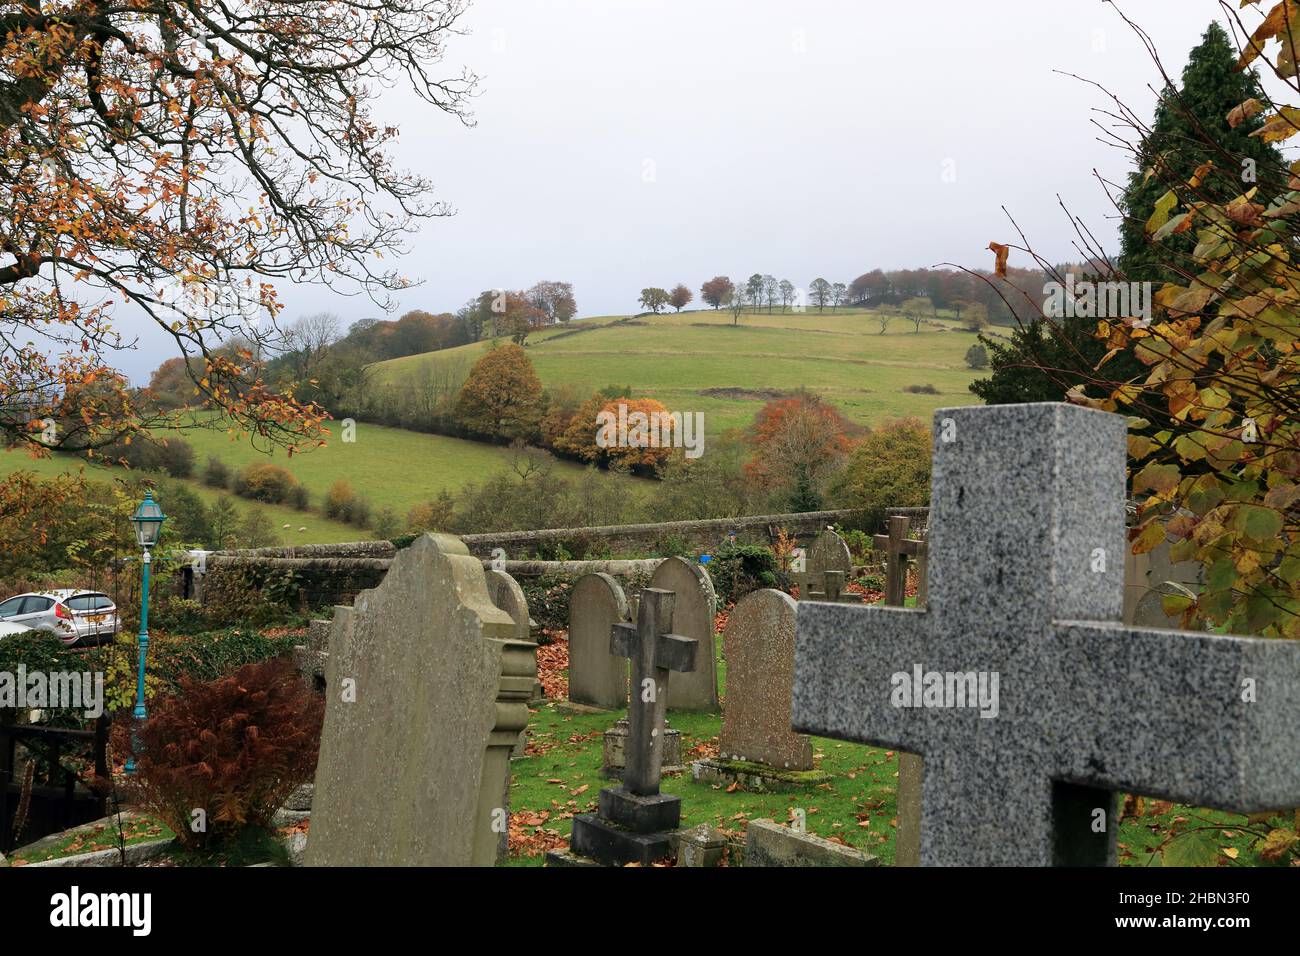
{"points": [[1029, 700], [695, 611], [898, 548], [827, 568], [633, 818], [597, 678], [426, 691]]}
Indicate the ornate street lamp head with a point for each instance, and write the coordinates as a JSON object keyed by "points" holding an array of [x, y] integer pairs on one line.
{"points": [[148, 519]]}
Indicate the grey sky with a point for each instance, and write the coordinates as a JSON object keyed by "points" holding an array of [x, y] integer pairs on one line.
{"points": [[626, 143]]}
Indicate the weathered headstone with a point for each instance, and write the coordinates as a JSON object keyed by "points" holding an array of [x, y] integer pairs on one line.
{"points": [[634, 819], [898, 548], [614, 751], [759, 648], [694, 616], [757, 749], [597, 678], [1031, 703], [827, 568], [768, 843], [426, 691]]}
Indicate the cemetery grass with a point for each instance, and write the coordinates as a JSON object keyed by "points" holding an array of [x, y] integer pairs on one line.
{"points": [[858, 806], [90, 837], [562, 777], [700, 361]]}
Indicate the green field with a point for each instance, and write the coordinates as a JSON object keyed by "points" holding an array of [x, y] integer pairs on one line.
{"points": [[318, 529], [700, 361], [392, 467]]}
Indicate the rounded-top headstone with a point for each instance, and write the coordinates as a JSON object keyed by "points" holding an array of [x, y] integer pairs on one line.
{"points": [[759, 648], [597, 678], [694, 613], [829, 553]]}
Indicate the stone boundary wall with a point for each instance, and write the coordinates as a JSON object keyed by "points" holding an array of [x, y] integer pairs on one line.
{"points": [[334, 573]]}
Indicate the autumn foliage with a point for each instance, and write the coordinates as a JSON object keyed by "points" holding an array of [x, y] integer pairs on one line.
{"points": [[1214, 438], [798, 444], [502, 398], [183, 160], [235, 748]]}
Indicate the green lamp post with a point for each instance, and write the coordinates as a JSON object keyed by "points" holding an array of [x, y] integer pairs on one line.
{"points": [[148, 519]]}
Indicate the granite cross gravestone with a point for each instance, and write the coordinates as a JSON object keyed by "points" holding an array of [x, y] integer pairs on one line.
{"points": [[634, 818], [597, 678], [694, 615], [1029, 700], [426, 692]]}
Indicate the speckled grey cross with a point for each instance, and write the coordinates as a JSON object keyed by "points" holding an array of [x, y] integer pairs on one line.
{"points": [[1027, 547]]}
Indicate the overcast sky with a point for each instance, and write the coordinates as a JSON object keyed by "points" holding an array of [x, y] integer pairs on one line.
{"points": [[626, 143]]}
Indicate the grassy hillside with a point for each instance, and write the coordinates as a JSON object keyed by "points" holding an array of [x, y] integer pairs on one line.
{"points": [[700, 361], [393, 468]]}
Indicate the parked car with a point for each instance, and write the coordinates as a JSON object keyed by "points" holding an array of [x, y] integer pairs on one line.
{"points": [[73, 616], [8, 630]]}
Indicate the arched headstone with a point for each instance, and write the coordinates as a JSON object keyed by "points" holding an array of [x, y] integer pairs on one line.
{"points": [[426, 690], [694, 613], [597, 678], [759, 648]]}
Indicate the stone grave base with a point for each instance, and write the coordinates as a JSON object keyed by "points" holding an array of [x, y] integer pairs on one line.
{"points": [[755, 776], [615, 739], [569, 707], [567, 858], [628, 828]]}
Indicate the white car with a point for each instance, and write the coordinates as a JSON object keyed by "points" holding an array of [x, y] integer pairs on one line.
{"points": [[9, 630], [73, 616]]}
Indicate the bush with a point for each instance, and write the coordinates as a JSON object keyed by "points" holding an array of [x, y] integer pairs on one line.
{"points": [[263, 481], [206, 655], [437, 515], [737, 569], [921, 389], [235, 747], [977, 357], [299, 498], [337, 498], [548, 600], [387, 524], [216, 474], [357, 512]]}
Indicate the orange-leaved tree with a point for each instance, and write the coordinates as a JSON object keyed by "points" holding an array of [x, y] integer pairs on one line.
{"points": [[502, 397], [798, 443]]}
